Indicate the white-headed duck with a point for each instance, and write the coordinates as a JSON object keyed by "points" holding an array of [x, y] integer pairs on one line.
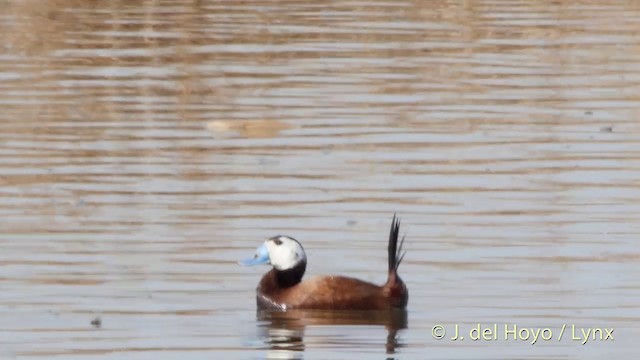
{"points": [[282, 287]]}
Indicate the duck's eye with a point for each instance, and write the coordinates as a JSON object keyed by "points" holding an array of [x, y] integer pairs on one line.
{"points": [[277, 241]]}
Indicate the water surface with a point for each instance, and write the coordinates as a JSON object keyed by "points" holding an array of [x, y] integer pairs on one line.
{"points": [[146, 146]]}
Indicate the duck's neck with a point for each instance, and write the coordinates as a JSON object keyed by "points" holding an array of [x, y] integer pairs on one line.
{"points": [[281, 279]]}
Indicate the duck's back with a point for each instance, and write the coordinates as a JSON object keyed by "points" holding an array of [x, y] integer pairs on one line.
{"points": [[327, 293]]}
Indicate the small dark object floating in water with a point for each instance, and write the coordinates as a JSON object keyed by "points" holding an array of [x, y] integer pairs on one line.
{"points": [[96, 322]]}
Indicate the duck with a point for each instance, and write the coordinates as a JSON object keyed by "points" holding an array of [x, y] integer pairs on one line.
{"points": [[282, 288]]}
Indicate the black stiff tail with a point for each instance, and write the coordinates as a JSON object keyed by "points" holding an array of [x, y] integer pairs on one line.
{"points": [[395, 252]]}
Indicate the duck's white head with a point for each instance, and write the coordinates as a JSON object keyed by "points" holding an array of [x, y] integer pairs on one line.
{"points": [[283, 252]]}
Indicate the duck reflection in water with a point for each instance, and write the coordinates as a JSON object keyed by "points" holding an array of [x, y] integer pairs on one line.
{"points": [[285, 301], [283, 332]]}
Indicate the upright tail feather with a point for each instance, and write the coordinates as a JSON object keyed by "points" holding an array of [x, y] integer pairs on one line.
{"points": [[395, 289], [395, 252]]}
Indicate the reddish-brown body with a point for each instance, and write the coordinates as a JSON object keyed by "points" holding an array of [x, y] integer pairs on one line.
{"points": [[331, 293]]}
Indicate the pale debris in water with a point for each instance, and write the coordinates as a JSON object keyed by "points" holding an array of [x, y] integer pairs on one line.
{"points": [[248, 128]]}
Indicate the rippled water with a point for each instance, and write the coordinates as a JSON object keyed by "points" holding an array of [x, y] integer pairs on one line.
{"points": [[146, 146]]}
